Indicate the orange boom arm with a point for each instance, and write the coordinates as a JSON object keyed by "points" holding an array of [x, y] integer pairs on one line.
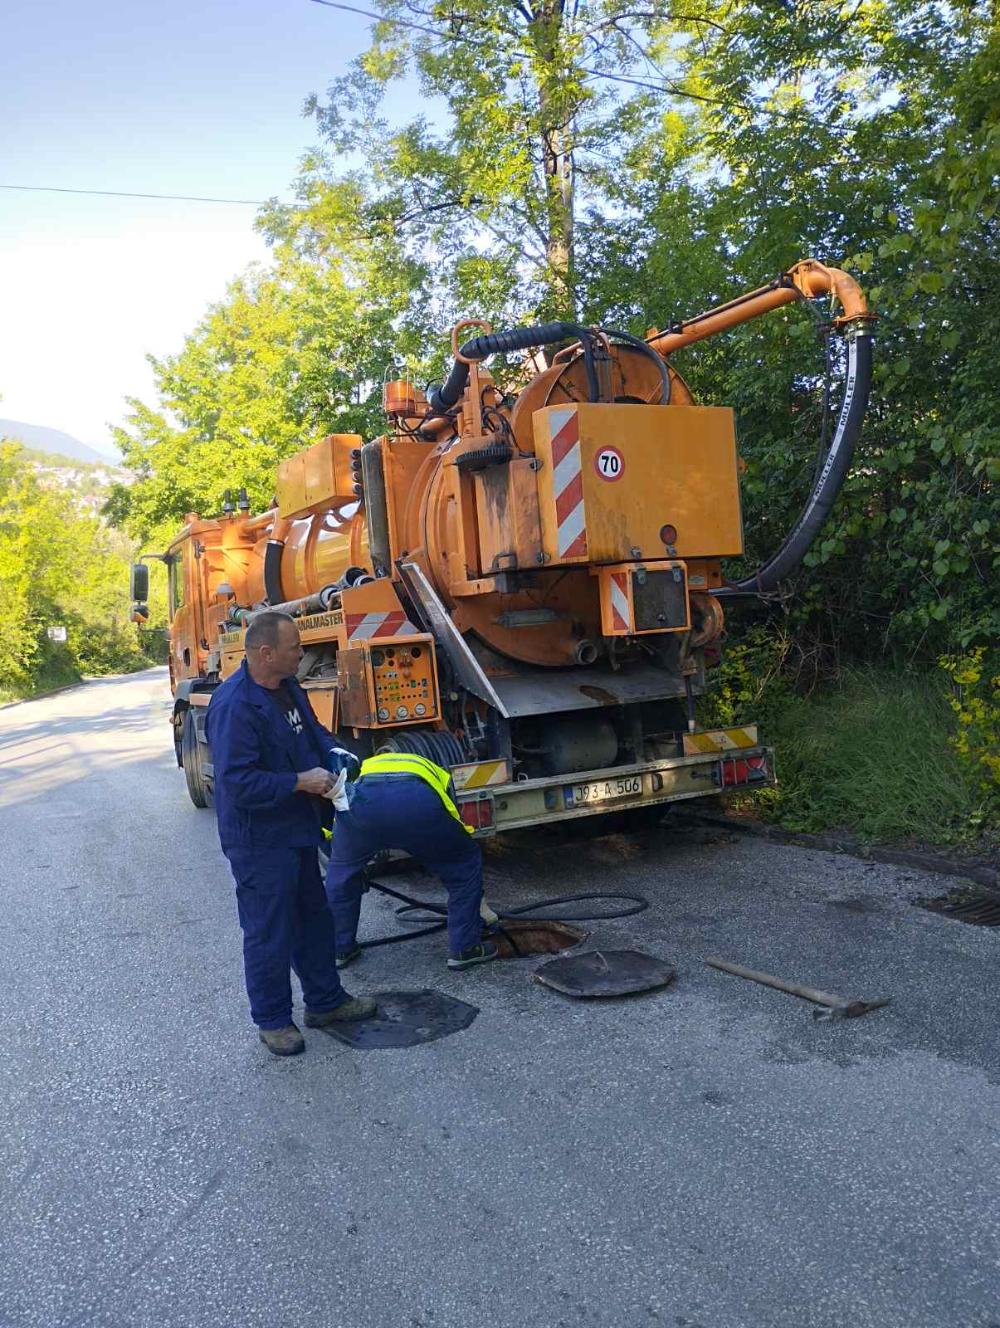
{"points": [[806, 280]]}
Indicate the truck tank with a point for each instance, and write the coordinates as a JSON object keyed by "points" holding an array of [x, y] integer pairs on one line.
{"points": [[521, 584]]}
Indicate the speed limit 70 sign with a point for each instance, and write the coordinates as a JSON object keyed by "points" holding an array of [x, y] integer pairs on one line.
{"points": [[609, 463]]}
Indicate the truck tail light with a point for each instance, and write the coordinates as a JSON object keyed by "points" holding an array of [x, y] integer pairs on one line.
{"points": [[739, 770], [477, 812]]}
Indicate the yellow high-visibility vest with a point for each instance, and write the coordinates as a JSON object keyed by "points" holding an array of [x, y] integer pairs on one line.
{"points": [[406, 763]]}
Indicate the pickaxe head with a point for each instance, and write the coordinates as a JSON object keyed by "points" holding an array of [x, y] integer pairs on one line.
{"points": [[849, 1009]]}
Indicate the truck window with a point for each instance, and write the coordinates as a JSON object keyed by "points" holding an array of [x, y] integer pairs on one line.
{"points": [[175, 583]]}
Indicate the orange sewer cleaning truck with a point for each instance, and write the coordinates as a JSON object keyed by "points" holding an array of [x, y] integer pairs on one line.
{"points": [[524, 587]]}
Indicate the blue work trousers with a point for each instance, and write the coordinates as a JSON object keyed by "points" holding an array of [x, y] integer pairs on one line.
{"points": [[404, 812], [286, 925]]}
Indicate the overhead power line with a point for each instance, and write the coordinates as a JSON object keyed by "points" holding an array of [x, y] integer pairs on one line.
{"points": [[382, 18], [122, 193], [666, 86]]}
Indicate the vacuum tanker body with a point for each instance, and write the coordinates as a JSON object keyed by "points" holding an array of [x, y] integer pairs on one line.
{"points": [[526, 588]]}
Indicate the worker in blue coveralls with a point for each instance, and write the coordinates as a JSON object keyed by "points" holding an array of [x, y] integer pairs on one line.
{"points": [[404, 801], [273, 764]]}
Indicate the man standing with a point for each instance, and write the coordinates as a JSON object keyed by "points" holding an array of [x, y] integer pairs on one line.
{"points": [[272, 763]]}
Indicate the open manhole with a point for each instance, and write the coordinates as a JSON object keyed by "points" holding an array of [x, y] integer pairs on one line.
{"points": [[516, 939], [966, 905]]}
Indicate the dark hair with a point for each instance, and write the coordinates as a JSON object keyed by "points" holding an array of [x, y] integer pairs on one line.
{"points": [[264, 629]]}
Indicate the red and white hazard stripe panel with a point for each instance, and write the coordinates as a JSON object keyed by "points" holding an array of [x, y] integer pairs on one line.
{"points": [[363, 626], [567, 483], [620, 616]]}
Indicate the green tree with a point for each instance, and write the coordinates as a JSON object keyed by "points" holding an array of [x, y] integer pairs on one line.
{"points": [[18, 632], [294, 352], [58, 567], [543, 110], [865, 137]]}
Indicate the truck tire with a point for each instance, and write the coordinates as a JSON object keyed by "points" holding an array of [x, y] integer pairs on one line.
{"points": [[191, 757]]}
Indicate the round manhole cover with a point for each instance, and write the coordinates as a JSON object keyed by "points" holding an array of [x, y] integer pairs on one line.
{"points": [[606, 973]]}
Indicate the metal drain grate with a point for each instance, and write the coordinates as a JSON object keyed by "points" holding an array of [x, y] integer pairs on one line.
{"points": [[980, 910]]}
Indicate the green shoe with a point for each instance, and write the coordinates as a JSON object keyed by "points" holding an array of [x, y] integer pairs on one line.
{"points": [[287, 1041], [349, 956], [354, 1008], [475, 954]]}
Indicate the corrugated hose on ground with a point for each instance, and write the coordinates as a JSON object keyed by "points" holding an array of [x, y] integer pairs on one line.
{"points": [[635, 904]]}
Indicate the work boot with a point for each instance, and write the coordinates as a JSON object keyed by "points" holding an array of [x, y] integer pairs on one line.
{"points": [[348, 956], [287, 1041], [353, 1009], [475, 954]]}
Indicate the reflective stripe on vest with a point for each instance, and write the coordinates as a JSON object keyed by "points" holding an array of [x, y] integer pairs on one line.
{"points": [[406, 763]]}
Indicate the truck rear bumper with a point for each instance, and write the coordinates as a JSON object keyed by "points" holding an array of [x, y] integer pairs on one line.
{"points": [[594, 792]]}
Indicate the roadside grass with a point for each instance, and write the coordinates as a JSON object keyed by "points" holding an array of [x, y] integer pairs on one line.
{"points": [[871, 754], [53, 675]]}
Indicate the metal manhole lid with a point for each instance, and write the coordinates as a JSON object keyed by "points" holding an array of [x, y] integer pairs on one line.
{"points": [[406, 1019], [605, 973]]}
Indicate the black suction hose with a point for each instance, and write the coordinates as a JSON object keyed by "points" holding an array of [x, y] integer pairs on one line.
{"points": [[636, 904], [650, 354], [443, 398], [831, 478]]}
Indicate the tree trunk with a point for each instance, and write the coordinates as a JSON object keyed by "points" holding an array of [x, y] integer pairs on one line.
{"points": [[558, 167], [556, 136]]}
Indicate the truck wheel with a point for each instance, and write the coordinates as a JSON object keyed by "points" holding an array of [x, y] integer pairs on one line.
{"points": [[191, 758]]}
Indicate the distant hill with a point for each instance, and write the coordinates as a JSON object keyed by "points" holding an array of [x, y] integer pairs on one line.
{"points": [[58, 461], [55, 442]]}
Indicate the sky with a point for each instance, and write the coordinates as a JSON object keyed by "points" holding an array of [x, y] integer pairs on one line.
{"points": [[182, 98]]}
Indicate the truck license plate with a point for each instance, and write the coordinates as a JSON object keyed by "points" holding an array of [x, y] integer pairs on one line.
{"points": [[602, 790]]}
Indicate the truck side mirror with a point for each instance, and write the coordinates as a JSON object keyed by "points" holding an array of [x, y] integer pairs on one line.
{"points": [[138, 582]]}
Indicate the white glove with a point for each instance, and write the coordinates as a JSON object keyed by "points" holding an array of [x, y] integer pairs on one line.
{"points": [[338, 793]]}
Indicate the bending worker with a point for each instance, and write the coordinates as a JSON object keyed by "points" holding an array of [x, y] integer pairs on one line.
{"points": [[406, 802], [273, 763]]}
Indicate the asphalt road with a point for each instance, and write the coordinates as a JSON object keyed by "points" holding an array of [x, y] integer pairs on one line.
{"points": [[708, 1157]]}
